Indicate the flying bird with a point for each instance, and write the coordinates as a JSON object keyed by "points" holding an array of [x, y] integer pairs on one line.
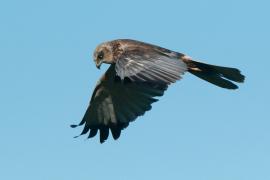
{"points": [[138, 74]]}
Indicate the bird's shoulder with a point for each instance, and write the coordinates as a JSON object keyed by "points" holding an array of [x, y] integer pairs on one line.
{"points": [[125, 47]]}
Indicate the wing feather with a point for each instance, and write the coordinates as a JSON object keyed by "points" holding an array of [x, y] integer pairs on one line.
{"points": [[149, 66], [115, 104]]}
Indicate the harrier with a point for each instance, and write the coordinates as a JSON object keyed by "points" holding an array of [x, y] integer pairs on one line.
{"points": [[138, 74]]}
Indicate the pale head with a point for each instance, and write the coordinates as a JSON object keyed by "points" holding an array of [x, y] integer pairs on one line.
{"points": [[103, 54]]}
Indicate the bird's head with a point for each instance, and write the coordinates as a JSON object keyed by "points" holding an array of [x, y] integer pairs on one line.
{"points": [[103, 54]]}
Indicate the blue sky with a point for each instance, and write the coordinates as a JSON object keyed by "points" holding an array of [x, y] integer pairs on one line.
{"points": [[196, 131]]}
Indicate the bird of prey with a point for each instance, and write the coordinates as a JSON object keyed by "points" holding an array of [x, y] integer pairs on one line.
{"points": [[138, 74]]}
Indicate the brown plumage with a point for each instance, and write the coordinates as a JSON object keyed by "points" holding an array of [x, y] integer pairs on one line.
{"points": [[139, 73]]}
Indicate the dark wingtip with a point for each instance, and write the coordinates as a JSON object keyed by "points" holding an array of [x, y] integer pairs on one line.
{"points": [[76, 125], [103, 134], [92, 133], [242, 78], [235, 75], [231, 86], [73, 126], [76, 136], [116, 132]]}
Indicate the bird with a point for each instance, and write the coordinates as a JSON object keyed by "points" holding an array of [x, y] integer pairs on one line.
{"points": [[139, 73]]}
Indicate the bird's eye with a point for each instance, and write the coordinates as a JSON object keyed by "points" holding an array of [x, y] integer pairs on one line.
{"points": [[100, 55]]}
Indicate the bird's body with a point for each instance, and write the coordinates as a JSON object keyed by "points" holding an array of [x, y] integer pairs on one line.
{"points": [[139, 73]]}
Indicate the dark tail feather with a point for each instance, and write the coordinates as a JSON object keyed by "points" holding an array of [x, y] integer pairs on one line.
{"points": [[217, 75]]}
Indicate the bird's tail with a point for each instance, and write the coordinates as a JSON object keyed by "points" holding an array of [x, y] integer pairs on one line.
{"points": [[217, 75]]}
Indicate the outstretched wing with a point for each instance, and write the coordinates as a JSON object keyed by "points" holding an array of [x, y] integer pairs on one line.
{"points": [[147, 63], [115, 103]]}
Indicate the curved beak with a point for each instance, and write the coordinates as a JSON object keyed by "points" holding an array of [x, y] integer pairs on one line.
{"points": [[98, 64]]}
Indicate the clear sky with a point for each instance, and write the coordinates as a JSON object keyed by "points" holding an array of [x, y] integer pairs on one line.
{"points": [[196, 131]]}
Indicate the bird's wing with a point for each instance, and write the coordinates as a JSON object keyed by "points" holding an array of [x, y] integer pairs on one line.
{"points": [[149, 65], [115, 103]]}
